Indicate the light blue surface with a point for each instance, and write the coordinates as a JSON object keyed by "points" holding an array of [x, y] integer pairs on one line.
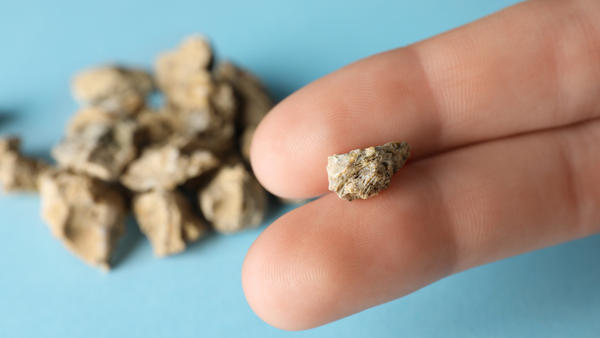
{"points": [[45, 292]]}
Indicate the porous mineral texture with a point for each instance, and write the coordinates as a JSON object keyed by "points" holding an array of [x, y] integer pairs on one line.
{"points": [[233, 200], [167, 166], [114, 89], [196, 105], [99, 150], [363, 173], [18, 173], [166, 218], [85, 213]]}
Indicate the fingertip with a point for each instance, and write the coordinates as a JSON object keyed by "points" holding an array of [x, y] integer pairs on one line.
{"points": [[368, 103], [332, 258], [278, 154], [275, 281]]}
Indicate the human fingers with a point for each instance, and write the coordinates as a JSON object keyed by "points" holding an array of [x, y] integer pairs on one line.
{"points": [[530, 67], [332, 258]]}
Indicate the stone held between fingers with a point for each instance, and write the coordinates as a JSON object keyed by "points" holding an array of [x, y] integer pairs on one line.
{"points": [[364, 173]]}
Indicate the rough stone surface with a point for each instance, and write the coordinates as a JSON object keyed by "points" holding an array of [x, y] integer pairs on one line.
{"points": [[197, 106], [183, 75], [115, 89], [85, 213], [233, 200], [256, 102], [165, 167], [89, 116], [363, 173], [166, 218], [99, 150], [18, 173], [157, 126]]}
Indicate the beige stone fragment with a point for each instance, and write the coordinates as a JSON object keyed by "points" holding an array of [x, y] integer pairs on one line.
{"points": [[209, 121], [18, 173], [233, 200], [192, 94], [183, 73], [256, 102], [166, 218], [224, 101], [192, 121], [85, 213], [157, 126], [363, 173], [99, 150], [167, 166], [113, 89], [174, 66], [88, 116]]}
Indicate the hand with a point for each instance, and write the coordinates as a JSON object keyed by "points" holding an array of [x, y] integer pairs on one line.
{"points": [[504, 119]]}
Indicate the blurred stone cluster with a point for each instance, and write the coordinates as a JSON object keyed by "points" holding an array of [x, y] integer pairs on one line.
{"points": [[180, 168]]}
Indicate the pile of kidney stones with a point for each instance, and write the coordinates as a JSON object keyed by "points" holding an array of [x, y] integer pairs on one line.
{"points": [[180, 169]]}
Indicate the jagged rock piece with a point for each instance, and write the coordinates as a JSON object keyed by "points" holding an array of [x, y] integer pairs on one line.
{"points": [[167, 166], [192, 122], [89, 116], [256, 102], [183, 73], [157, 126], [85, 213], [174, 66], [18, 173], [99, 150], [224, 102], [363, 173], [114, 89], [192, 94], [233, 200], [166, 218]]}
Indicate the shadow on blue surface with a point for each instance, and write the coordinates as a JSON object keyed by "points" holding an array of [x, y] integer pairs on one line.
{"points": [[552, 292], [127, 243], [6, 117]]}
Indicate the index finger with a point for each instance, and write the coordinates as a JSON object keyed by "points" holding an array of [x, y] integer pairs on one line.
{"points": [[533, 66]]}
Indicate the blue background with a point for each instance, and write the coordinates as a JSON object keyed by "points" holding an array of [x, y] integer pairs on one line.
{"points": [[46, 292]]}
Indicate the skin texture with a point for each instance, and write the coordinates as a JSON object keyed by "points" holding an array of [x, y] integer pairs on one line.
{"points": [[504, 119]]}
